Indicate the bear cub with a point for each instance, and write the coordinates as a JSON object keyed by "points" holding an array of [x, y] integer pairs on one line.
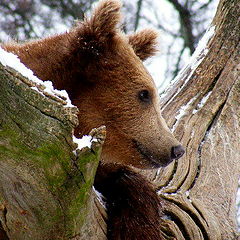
{"points": [[102, 70]]}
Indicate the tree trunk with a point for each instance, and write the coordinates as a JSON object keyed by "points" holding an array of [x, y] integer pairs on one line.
{"points": [[199, 190], [46, 191]]}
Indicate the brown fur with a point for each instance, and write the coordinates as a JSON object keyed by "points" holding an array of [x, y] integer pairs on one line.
{"points": [[134, 209], [3, 235], [98, 67], [144, 43], [102, 70]]}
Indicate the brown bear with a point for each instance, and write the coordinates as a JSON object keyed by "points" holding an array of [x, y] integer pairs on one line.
{"points": [[101, 68]]}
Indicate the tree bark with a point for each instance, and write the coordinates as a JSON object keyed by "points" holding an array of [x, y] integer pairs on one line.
{"points": [[199, 190], [46, 191]]}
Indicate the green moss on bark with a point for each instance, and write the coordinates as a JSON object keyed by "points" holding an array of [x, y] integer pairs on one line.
{"points": [[46, 187]]}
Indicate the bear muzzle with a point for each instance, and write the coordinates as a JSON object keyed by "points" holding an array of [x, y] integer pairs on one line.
{"points": [[177, 152], [155, 161]]}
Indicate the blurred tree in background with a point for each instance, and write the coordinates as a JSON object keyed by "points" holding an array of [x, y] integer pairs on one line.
{"points": [[181, 24]]}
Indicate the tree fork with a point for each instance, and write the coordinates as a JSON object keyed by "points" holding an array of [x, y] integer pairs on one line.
{"points": [[199, 190], [45, 195]]}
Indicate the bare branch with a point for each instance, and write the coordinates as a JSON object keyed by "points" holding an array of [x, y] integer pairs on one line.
{"points": [[137, 17], [186, 24]]}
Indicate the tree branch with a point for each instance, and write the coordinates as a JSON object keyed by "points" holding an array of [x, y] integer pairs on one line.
{"points": [[199, 190], [186, 24], [45, 190], [137, 16]]}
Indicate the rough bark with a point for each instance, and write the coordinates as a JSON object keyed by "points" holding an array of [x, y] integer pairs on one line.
{"points": [[199, 190], [45, 189]]}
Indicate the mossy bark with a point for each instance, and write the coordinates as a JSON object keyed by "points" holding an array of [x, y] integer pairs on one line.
{"points": [[45, 189]]}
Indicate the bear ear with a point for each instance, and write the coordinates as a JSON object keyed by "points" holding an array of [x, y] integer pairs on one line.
{"points": [[144, 43], [103, 21]]}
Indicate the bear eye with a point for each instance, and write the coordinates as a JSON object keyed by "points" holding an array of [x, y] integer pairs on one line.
{"points": [[144, 96]]}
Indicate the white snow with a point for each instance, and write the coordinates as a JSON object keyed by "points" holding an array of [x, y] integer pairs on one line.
{"points": [[166, 217], [197, 57], [182, 112], [100, 197], [202, 103], [11, 60], [85, 141], [50, 89], [36, 89], [160, 192], [201, 50]]}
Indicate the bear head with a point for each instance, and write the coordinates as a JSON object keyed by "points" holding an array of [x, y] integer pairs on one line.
{"points": [[113, 88]]}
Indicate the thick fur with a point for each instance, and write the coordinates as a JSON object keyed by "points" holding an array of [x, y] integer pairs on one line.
{"points": [[102, 70], [144, 43], [133, 207], [3, 235], [103, 76]]}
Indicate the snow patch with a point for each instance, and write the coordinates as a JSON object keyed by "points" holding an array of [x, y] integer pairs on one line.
{"points": [[166, 217], [50, 90], [100, 198], [85, 141], [182, 112], [192, 133], [194, 61], [36, 89], [202, 103], [166, 193], [11, 60], [201, 50]]}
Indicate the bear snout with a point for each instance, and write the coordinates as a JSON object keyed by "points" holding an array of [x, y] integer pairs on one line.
{"points": [[155, 160], [177, 152]]}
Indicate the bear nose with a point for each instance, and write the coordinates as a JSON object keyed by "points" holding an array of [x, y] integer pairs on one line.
{"points": [[177, 152]]}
